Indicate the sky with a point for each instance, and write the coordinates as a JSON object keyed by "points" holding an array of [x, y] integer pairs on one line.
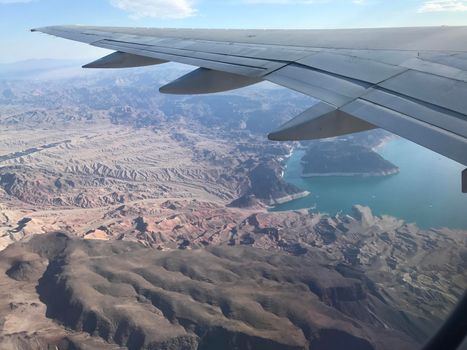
{"points": [[18, 16]]}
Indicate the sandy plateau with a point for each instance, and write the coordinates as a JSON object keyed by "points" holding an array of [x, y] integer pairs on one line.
{"points": [[129, 220]]}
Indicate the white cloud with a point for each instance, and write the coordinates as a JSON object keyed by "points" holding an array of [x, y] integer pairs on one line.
{"points": [[155, 8], [444, 6]]}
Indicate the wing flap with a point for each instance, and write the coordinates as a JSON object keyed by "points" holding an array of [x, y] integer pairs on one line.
{"points": [[237, 65], [436, 68], [352, 67], [430, 136], [332, 89], [456, 59], [441, 91], [425, 112], [185, 58]]}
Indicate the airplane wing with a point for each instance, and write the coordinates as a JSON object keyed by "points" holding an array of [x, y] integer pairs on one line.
{"points": [[409, 81]]}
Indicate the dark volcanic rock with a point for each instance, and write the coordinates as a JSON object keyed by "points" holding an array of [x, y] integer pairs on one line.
{"points": [[266, 185], [344, 157]]}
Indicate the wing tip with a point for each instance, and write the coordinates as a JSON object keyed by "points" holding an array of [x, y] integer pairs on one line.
{"points": [[40, 29], [48, 29]]}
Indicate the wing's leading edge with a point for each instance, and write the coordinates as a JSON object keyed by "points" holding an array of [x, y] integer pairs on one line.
{"points": [[410, 81]]}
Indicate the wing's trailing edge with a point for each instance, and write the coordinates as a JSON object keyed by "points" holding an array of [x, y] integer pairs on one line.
{"points": [[409, 81]]}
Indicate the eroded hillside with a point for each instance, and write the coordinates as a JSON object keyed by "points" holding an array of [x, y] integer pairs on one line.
{"points": [[165, 238]]}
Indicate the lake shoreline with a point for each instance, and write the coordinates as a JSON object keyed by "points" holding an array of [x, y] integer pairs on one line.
{"points": [[368, 174], [289, 198], [404, 196]]}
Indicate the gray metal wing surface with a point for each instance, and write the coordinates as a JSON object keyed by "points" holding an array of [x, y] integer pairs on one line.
{"points": [[409, 81]]}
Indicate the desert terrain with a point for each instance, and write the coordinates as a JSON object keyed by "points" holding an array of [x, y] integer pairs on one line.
{"points": [[129, 219]]}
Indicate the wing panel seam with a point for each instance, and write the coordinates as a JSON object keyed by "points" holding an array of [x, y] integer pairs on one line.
{"points": [[208, 52], [97, 43], [403, 113]]}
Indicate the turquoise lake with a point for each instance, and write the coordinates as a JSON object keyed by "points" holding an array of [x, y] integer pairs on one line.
{"points": [[427, 191]]}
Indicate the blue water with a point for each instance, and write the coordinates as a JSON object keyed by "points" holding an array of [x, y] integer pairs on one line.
{"points": [[427, 191]]}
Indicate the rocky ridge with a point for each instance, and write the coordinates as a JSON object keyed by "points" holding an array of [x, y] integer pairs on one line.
{"points": [[225, 297]]}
